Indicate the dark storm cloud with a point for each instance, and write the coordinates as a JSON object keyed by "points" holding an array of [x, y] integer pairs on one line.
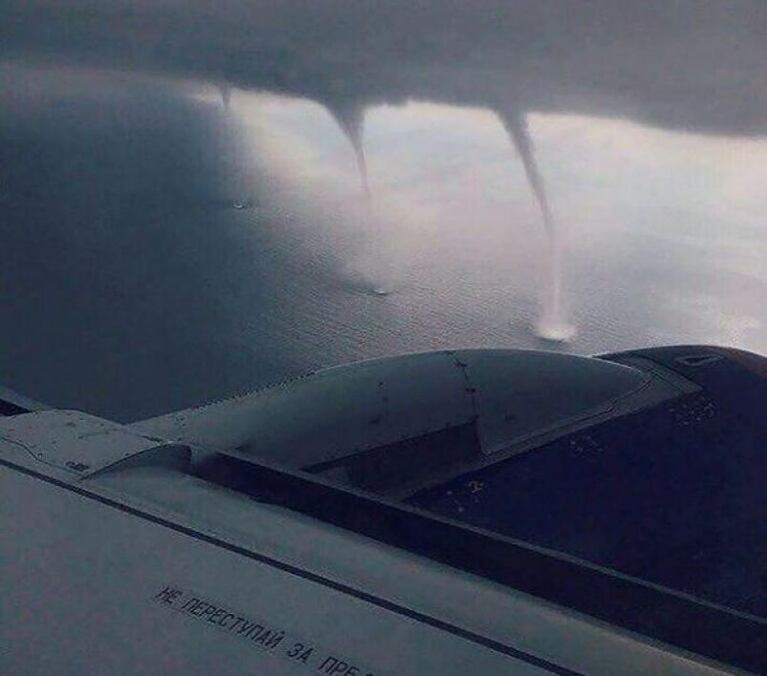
{"points": [[688, 64]]}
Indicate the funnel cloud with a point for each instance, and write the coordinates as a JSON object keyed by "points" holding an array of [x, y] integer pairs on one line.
{"points": [[552, 323]]}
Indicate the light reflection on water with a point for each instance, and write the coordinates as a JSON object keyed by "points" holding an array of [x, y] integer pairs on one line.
{"points": [[125, 262]]}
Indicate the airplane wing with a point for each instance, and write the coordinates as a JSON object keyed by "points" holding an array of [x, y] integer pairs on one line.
{"points": [[13, 403], [518, 512]]}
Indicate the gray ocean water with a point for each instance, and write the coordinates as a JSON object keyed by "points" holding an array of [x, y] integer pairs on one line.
{"points": [[165, 241]]}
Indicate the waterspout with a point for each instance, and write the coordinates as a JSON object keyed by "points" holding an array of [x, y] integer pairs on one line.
{"points": [[376, 266], [226, 95], [351, 119], [552, 323]]}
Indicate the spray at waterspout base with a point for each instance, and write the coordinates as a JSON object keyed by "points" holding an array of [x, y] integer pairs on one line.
{"points": [[552, 324], [554, 331], [376, 273]]}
